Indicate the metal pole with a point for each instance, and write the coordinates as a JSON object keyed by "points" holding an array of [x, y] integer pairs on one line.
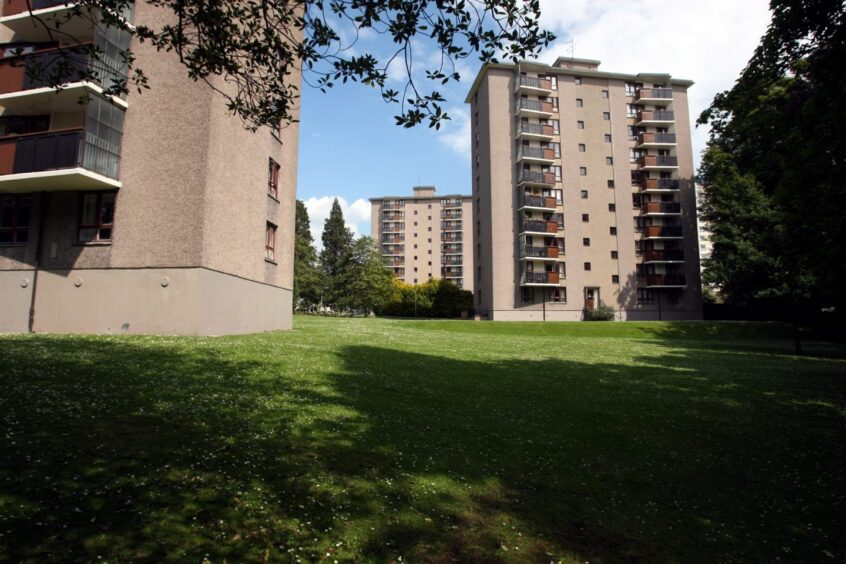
{"points": [[39, 247]]}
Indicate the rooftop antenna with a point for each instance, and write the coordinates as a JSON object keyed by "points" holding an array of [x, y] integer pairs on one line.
{"points": [[572, 50]]}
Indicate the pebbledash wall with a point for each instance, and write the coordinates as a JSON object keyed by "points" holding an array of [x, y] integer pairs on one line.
{"points": [[193, 209], [583, 193]]}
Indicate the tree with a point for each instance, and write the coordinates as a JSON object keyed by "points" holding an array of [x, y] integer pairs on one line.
{"points": [[367, 283], [306, 275], [337, 246], [774, 168], [248, 50], [433, 298]]}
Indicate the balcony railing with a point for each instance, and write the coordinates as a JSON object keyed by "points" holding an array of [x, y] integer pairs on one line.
{"points": [[451, 225], [655, 115], [663, 231], [392, 215], [537, 129], [656, 138], [541, 277], [451, 273], [659, 160], [57, 150], [535, 82], [395, 238], [393, 206], [536, 105], [665, 280], [457, 237], [668, 255], [540, 226], [660, 184], [548, 202], [655, 93], [451, 249], [539, 252], [393, 249], [451, 204], [12, 7], [395, 261], [451, 260], [534, 177], [661, 207], [537, 153], [451, 214]]}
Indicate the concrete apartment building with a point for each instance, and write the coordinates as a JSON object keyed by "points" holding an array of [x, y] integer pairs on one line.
{"points": [[583, 193], [425, 236], [157, 213]]}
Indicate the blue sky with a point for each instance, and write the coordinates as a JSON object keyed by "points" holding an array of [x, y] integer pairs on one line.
{"points": [[350, 148]]}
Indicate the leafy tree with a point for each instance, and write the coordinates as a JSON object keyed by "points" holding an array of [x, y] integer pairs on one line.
{"points": [[433, 298], [337, 246], [774, 169], [306, 275], [248, 50], [367, 283]]}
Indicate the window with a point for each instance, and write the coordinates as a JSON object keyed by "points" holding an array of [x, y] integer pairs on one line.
{"points": [[612, 207], [587, 266], [578, 81], [607, 137], [645, 297], [613, 230], [527, 295], [604, 93], [614, 255], [615, 279], [558, 295], [632, 131], [579, 103], [610, 183], [270, 242], [582, 171], [606, 116], [585, 217], [630, 89], [14, 219], [555, 126], [556, 147], [582, 148], [273, 178], [631, 110], [557, 170], [96, 217], [580, 124], [586, 241], [584, 194], [609, 160]]}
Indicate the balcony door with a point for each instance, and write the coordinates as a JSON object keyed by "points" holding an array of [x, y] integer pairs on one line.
{"points": [[591, 298]]}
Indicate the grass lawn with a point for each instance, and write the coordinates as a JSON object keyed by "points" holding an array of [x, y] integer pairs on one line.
{"points": [[375, 440]]}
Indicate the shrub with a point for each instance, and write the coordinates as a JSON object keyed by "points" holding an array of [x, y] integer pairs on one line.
{"points": [[602, 312]]}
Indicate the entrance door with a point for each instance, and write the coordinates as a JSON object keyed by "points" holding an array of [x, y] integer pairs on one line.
{"points": [[591, 298]]}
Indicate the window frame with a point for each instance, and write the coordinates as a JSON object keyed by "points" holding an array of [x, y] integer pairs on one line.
{"points": [[270, 242], [15, 228], [98, 225], [273, 169]]}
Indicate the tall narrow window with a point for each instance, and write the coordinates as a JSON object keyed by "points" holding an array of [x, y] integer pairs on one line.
{"points": [[96, 217], [270, 242], [14, 219], [273, 178]]}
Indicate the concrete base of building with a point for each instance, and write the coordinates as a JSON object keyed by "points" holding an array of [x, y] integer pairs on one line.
{"points": [[578, 315], [160, 301]]}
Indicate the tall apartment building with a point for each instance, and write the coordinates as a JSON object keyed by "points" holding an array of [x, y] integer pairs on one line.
{"points": [[157, 213], [583, 189], [425, 236]]}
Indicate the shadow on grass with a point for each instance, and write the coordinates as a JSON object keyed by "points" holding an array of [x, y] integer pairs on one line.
{"points": [[146, 451]]}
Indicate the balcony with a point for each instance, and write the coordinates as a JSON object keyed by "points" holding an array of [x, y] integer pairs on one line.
{"points": [[646, 140], [451, 214], [654, 96], [539, 253], [13, 7], [534, 178], [451, 273], [395, 261], [451, 237], [536, 154], [540, 279], [451, 203], [665, 281], [539, 131], [534, 84], [393, 227], [544, 203], [393, 250], [661, 208], [539, 227], [23, 26], [530, 107], [659, 185], [393, 206], [451, 226], [451, 249], [656, 117], [663, 232], [667, 255], [659, 162], [56, 161], [453, 260], [392, 215]]}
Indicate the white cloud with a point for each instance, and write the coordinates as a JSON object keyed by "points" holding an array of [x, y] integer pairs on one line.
{"points": [[356, 215], [708, 42], [455, 133]]}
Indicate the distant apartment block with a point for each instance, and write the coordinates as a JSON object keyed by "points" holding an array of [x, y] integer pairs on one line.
{"points": [[425, 236], [583, 193], [157, 213]]}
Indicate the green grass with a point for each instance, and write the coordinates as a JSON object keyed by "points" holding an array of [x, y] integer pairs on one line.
{"points": [[371, 440]]}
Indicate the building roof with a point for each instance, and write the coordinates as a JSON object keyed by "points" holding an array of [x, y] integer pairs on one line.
{"points": [[576, 71], [434, 197]]}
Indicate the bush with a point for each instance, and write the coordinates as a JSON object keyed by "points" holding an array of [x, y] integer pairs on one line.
{"points": [[602, 312], [434, 298]]}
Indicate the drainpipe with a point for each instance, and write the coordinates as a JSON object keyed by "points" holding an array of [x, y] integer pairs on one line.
{"points": [[544, 304], [39, 247]]}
